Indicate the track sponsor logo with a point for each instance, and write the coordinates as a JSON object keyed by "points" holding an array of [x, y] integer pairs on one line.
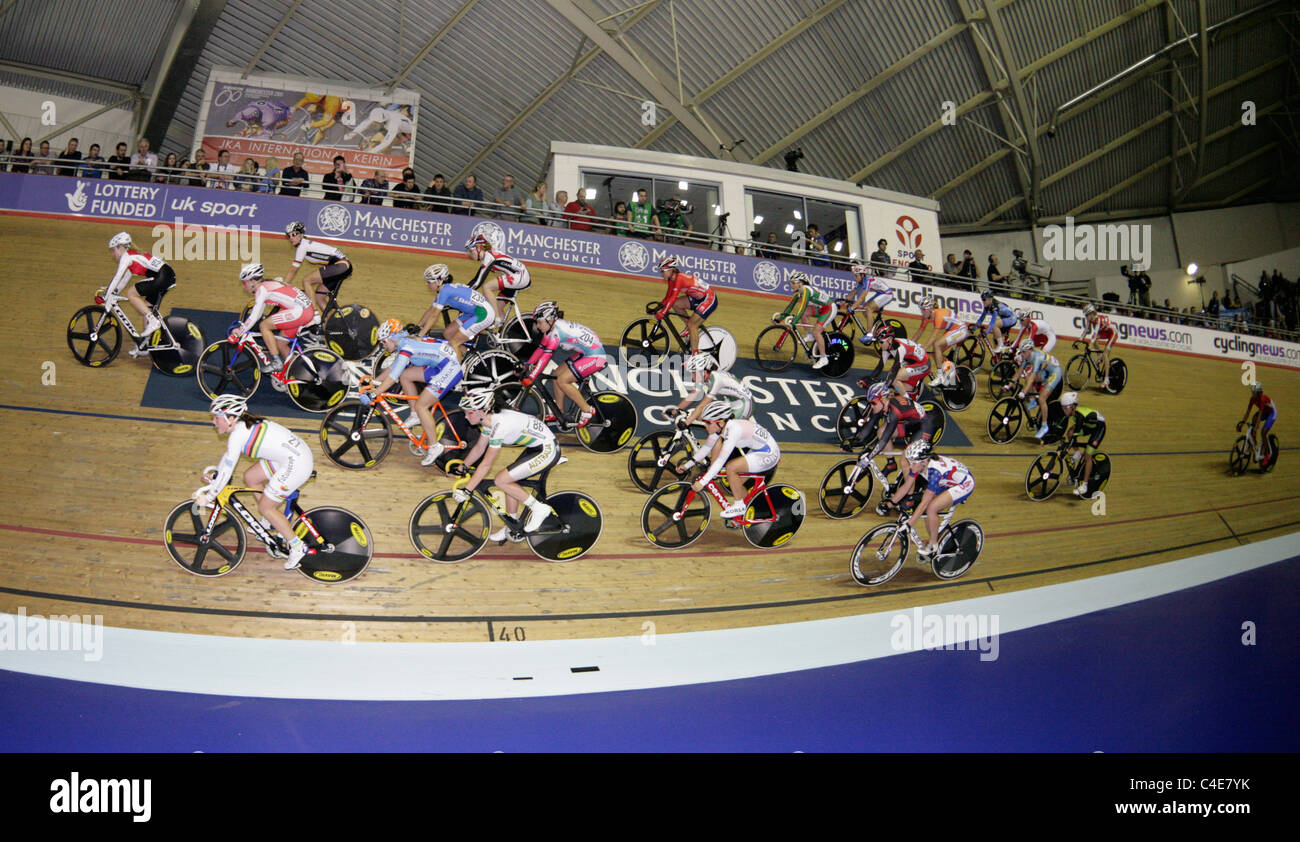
{"points": [[633, 257], [334, 220]]}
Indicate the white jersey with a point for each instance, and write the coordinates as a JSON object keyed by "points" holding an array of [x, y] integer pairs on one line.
{"points": [[276, 294], [135, 263], [265, 440], [722, 385], [395, 123], [740, 432], [515, 429], [317, 254]]}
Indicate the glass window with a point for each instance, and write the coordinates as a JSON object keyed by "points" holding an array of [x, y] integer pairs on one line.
{"points": [[791, 227], [838, 226], [687, 213]]}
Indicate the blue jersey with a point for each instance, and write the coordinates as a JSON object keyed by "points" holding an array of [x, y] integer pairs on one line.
{"points": [[1040, 362], [1004, 314], [456, 296], [433, 354]]}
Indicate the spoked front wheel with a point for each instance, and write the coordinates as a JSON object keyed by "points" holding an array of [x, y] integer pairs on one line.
{"points": [[776, 348], [1044, 476], [879, 555], [838, 498], [218, 554], [1239, 457], [226, 369], [644, 341], [667, 521], [852, 417], [1005, 420], [445, 531], [1004, 372], [490, 369], [343, 549], [652, 461], [355, 436], [580, 524], [94, 336], [1077, 372], [959, 545], [970, 352]]}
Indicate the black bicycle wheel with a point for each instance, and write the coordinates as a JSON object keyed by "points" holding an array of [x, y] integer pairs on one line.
{"points": [[580, 526], [1239, 457], [219, 554], [959, 545], [644, 342], [343, 550], [1005, 420], [445, 531], [780, 511], [317, 380], [879, 555], [1101, 468], [1003, 373], [839, 352], [652, 461], [853, 416], [838, 499], [181, 360], [660, 521], [776, 348], [970, 353], [959, 395], [1044, 476], [612, 426], [520, 337], [1274, 452], [1077, 372], [1118, 377], [226, 370], [940, 420], [900, 329], [351, 331], [94, 336], [355, 436]]}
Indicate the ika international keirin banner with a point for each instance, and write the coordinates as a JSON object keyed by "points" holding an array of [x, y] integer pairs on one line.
{"points": [[273, 116]]}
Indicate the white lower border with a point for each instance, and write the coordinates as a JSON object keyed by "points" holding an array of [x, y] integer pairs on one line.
{"points": [[234, 666]]}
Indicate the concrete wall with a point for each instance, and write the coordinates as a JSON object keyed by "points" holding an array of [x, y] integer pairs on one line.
{"points": [[23, 109]]}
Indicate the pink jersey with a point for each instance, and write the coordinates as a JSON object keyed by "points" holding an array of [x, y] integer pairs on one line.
{"points": [[275, 294]]}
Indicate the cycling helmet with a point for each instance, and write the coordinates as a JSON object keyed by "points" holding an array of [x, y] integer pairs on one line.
{"points": [[476, 399], [859, 268], [389, 330], [717, 411], [252, 272], [877, 392], [1069, 399], [917, 451], [1257, 389], [884, 332], [547, 310], [986, 295], [798, 278], [438, 273], [1019, 314], [478, 241], [1024, 349], [701, 362], [229, 405], [120, 239], [1089, 310], [667, 263], [294, 228], [927, 303]]}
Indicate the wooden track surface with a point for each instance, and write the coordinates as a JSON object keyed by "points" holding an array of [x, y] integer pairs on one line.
{"points": [[83, 496]]}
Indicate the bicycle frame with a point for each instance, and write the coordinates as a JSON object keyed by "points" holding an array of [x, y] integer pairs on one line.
{"points": [[808, 347], [250, 344], [109, 301], [715, 490], [228, 501], [382, 404]]}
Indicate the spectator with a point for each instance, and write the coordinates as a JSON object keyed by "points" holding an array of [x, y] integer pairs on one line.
{"points": [[198, 169], [441, 196], [467, 193], [642, 216], [221, 175], [511, 198], [294, 178], [881, 264], [272, 178], [819, 255], [992, 273], [968, 269], [621, 227], [772, 249], [43, 164], [671, 220], [406, 194], [69, 153], [557, 209], [918, 263], [143, 162], [952, 265], [166, 174], [121, 160], [579, 214], [22, 159], [373, 190], [536, 205], [337, 180], [92, 164], [1213, 307], [249, 176]]}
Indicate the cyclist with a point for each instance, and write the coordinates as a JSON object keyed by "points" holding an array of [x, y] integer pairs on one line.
{"points": [[947, 483], [431, 360], [1039, 331], [905, 421], [1001, 319], [588, 357], [293, 314], [145, 295], [1266, 415], [710, 382], [911, 361], [329, 266], [871, 295], [1079, 423], [725, 435], [687, 296], [512, 274], [1040, 373], [948, 332], [1098, 327], [284, 463], [476, 312], [508, 428], [816, 303]]}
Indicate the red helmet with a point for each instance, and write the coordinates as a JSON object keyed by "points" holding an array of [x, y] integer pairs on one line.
{"points": [[884, 333]]}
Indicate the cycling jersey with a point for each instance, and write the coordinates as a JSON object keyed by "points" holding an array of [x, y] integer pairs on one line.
{"points": [[810, 297], [511, 273], [1101, 325], [433, 354], [904, 418], [1086, 422], [317, 254], [570, 336], [290, 299], [395, 122], [699, 294], [1040, 362], [877, 286], [1264, 402], [287, 458], [510, 428], [723, 386], [910, 354], [999, 312], [944, 320], [746, 433], [135, 263], [944, 474], [468, 302]]}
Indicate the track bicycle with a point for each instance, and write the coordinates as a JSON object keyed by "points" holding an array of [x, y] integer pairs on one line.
{"points": [[1068, 460], [676, 515], [315, 378], [778, 346], [849, 322], [647, 340], [356, 436], [212, 542], [854, 414], [846, 489], [976, 349], [883, 551], [350, 330], [1010, 413], [659, 456], [1243, 454], [1085, 368], [448, 531], [95, 337], [613, 424]]}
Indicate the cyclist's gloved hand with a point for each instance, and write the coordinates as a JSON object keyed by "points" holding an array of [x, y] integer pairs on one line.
{"points": [[205, 497], [460, 495], [882, 508], [526, 382], [776, 317], [681, 424], [457, 469], [367, 398]]}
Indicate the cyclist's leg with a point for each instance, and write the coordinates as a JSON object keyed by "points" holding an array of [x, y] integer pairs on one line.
{"points": [[576, 369], [1105, 359], [256, 477], [532, 461], [939, 503], [315, 289], [277, 347]]}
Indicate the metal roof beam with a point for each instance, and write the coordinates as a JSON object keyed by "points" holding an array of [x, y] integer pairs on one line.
{"points": [[266, 44], [66, 127], [428, 46], [70, 78], [194, 23]]}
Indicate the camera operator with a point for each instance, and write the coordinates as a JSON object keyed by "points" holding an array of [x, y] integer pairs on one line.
{"points": [[672, 215]]}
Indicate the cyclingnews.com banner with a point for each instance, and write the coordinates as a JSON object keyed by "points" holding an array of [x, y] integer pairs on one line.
{"points": [[265, 116], [164, 204]]}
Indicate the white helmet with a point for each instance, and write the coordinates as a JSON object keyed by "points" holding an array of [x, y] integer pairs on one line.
{"points": [[438, 273], [294, 228], [1089, 310], [1024, 349], [476, 399], [546, 311], [120, 239], [252, 272], [859, 268], [717, 411], [701, 362], [229, 405], [927, 303], [917, 451], [1069, 399], [798, 278]]}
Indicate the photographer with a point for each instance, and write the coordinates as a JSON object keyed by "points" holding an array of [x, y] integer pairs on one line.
{"points": [[672, 218]]}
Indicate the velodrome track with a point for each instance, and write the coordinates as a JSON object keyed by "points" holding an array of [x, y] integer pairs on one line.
{"points": [[90, 472]]}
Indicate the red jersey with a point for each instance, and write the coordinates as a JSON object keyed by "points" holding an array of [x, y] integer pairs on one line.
{"points": [[695, 289], [1264, 402]]}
